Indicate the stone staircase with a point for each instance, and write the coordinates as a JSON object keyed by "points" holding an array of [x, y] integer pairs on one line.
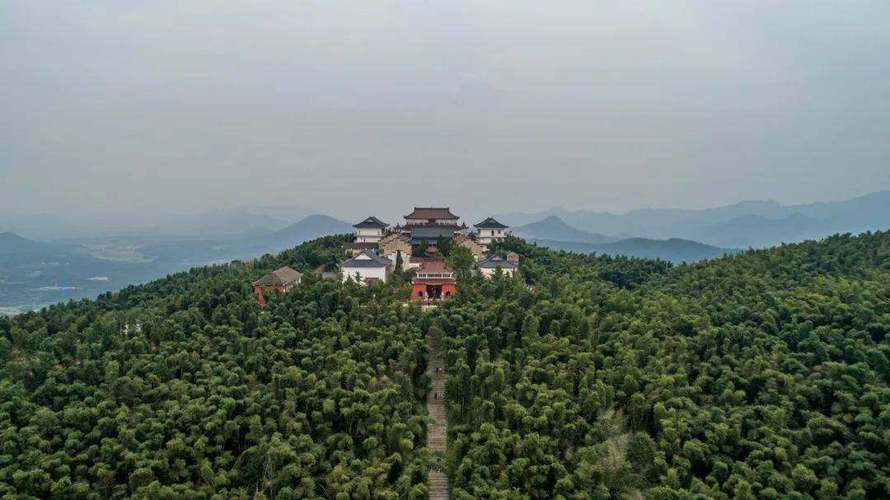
{"points": [[437, 431], [438, 485]]}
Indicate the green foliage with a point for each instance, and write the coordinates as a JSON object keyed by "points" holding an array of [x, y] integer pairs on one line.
{"points": [[444, 245], [421, 249], [185, 387], [762, 375], [461, 260]]}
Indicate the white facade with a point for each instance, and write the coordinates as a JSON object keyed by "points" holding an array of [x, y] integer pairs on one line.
{"points": [[487, 236], [489, 272], [368, 234], [363, 267]]}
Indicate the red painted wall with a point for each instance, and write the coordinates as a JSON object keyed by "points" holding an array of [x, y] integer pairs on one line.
{"points": [[448, 290], [261, 290], [258, 290]]}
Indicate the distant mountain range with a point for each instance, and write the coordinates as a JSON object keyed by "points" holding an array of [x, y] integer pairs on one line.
{"points": [[555, 229], [245, 245], [219, 223], [749, 223], [15, 250], [34, 273], [553, 232], [673, 250]]}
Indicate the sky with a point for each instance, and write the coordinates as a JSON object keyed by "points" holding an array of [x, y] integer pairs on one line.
{"points": [[126, 110]]}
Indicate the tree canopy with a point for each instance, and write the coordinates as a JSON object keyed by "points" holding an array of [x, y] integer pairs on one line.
{"points": [[758, 375], [185, 387], [761, 375]]}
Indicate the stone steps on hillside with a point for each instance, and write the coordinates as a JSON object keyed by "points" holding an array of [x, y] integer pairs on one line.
{"points": [[438, 486], [437, 429]]}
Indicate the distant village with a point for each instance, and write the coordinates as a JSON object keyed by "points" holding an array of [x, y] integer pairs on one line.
{"points": [[377, 249]]}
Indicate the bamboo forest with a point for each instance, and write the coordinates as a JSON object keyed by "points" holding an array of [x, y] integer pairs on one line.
{"points": [[764, 374]]}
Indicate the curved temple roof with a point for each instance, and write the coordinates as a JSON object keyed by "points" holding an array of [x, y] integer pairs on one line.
{"points": [[491, 223], [366, 259], [432, 213], [495, 261], [371, 222]]}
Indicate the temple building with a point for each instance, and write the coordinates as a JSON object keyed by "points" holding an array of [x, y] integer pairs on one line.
{"points": [[395, 244], [369, 230], [430, 224], [434, 280], [489, 231], [367, 235], [416, 244], [489, 266], [471, 245], [366, 268], [281, 280]]}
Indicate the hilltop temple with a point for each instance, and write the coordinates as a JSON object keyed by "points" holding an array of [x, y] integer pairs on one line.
{"points": [[377, 250], [429, 225]]}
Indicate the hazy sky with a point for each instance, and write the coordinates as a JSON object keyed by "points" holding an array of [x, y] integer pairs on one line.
{"points": [[138, 107]]}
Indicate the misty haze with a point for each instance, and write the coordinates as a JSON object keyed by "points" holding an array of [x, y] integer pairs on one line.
{"points": [[445, 249]]}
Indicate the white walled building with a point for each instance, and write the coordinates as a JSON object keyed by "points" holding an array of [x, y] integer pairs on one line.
{"points": [[490, 265], [366, 268], [489, 231], [369, 230]]}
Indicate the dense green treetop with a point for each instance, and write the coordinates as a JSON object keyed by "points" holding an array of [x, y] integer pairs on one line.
{"points": [[759, 375], [185, 387]]}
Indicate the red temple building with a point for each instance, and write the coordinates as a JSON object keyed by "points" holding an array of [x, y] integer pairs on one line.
{"points": [[434, 280]]}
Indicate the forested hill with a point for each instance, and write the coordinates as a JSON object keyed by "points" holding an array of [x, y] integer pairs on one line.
{"points": [[763, 374], [185, 388]]}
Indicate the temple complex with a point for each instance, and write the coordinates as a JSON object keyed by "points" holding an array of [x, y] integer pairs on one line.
{"points": [[376, 250]]}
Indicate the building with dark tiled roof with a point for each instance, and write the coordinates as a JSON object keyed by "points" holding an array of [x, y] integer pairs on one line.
{"points": [[281, 280], [489, 266], [369, 230], [366, 265], [489, 231], [430, 224], [431, 215]]}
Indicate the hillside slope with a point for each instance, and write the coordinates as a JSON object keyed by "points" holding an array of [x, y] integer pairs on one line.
{"points": [[763, 374], [185, 388], [760, 375]]}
